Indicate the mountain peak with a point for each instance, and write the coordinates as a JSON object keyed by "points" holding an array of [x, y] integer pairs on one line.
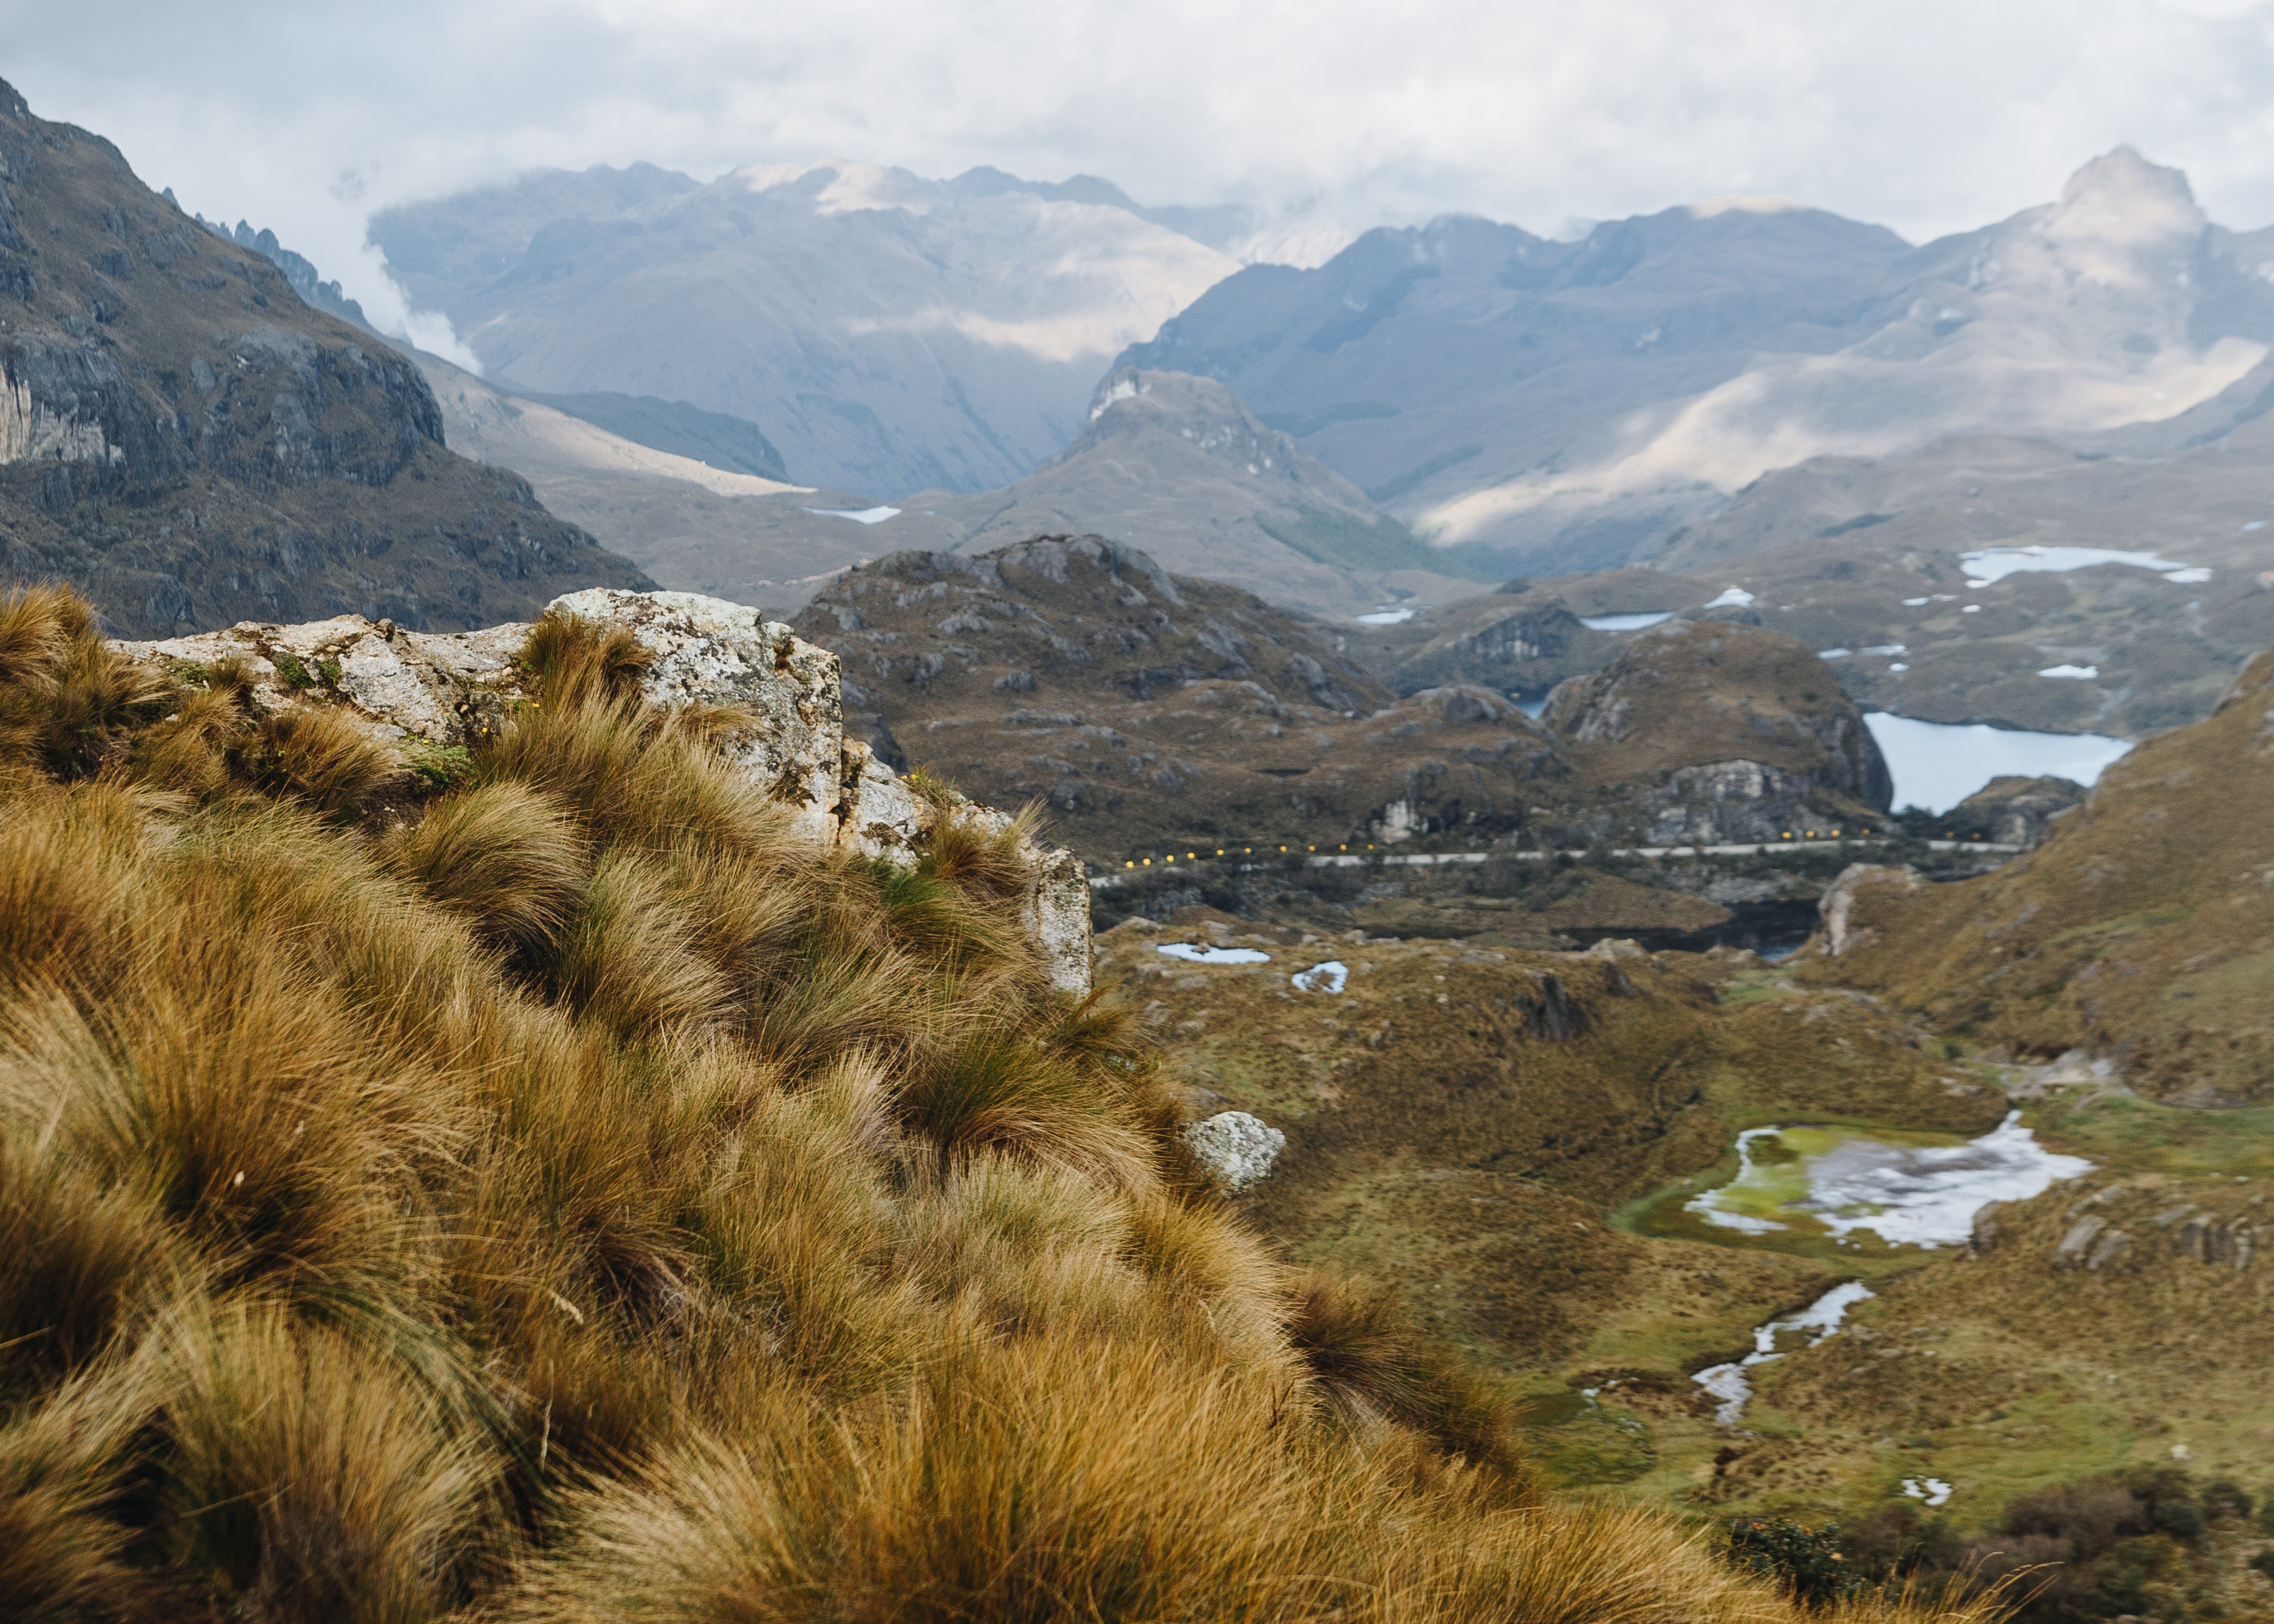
{"points": [[2120, 197]]}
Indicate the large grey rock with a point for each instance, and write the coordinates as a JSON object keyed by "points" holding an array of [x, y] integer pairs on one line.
{"points": [[1238, 1148], [450, 690]]}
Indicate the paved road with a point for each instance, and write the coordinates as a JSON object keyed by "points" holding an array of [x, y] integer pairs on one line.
{"points": [[1328, 860]]}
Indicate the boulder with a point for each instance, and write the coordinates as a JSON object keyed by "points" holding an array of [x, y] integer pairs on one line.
{"points": [[1236, 1147], [446, 690]]}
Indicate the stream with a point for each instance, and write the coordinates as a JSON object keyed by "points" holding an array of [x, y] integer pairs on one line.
{"points": [[1837, 1182]]}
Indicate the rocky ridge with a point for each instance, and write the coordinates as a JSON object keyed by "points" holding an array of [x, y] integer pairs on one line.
{"points": [[427, 692], [1151, 710]]}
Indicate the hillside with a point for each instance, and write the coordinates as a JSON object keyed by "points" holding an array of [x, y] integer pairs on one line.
{"points": [[887, 333], [591, 1189], [1572, 405], [2140, 935], [1150, 709], [186, 440]]}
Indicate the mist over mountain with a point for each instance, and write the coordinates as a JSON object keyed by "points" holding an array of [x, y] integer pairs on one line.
{"points": [[1573, 404], [887, 333]]}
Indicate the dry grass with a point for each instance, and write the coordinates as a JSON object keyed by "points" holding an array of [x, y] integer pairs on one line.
{"points": [[589, 1204]]}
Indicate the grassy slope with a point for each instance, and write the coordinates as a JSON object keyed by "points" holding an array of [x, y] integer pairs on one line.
{"points": [[576, 1200], [1445, 1132], [2144, 929]]}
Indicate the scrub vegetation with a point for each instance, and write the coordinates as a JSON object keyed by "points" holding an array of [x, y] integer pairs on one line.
{"points": [[547, 1190]]}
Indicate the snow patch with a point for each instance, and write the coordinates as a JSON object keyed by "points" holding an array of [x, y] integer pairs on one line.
{"points": [[1194, 953], [1328, 977], [1933, 1490], [1392, 616], [2082, 672], [1633, 622], [859, 516], [1736, 595]]}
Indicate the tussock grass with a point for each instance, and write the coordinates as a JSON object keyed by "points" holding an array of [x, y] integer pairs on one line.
{"points": [[585, 1202]]}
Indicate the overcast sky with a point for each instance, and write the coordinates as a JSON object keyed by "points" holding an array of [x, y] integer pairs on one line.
{"points": [[1928, 116]]}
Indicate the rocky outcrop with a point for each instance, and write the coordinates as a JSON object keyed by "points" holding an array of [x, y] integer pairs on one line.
{"points": [[1521, 642], [449, 690], [2126, 1228], [1836, 907], [1693, 693], [2016, 811]]}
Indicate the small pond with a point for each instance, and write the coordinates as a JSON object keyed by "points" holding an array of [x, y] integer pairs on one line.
{"points": [[1819, 1188]]}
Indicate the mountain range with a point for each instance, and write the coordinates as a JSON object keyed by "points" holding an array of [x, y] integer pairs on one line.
{"points": [[888, 332], [1573, 405]]}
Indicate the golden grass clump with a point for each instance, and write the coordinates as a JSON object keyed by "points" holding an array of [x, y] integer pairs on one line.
{"points": [[588, 1202]]}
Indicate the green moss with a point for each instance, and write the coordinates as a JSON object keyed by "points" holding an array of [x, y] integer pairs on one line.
{"points": [[295, 675], [437, 766]]}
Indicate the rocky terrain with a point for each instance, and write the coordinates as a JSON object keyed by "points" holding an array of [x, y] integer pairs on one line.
{"points": [[2118, 646], [1150, 710], [184, 438], [1169, 464]]}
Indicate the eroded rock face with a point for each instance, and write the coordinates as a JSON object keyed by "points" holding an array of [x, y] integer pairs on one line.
{"points": [[450, 690]]}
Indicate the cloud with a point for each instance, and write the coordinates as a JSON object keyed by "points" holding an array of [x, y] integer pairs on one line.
{"points": [[1929, 118]]}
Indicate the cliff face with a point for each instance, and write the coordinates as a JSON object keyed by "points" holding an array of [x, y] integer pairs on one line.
{"points": [[183, 438]]}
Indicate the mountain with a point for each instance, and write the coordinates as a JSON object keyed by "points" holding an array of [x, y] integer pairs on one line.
{"points": [[887, 333], [1173, 464], [1571, 405], [186, 439], [2139, 935], [1151, 711]]}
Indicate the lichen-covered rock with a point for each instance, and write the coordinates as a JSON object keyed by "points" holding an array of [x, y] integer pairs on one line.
{"points": [[449, 690], [710, 651], [1238, 1148]]}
